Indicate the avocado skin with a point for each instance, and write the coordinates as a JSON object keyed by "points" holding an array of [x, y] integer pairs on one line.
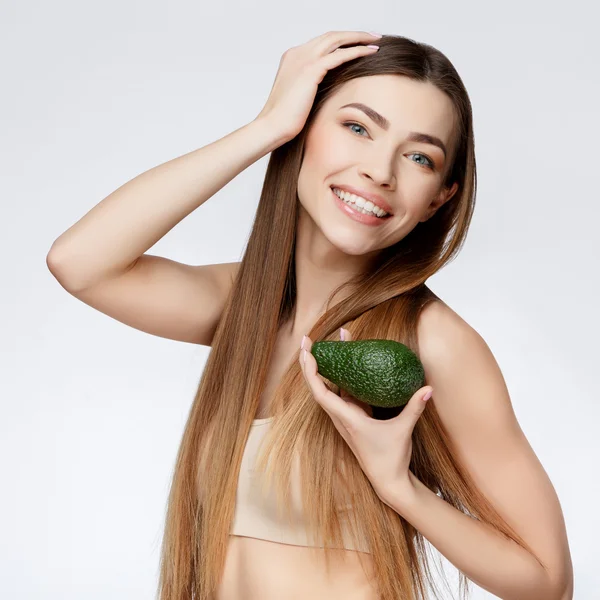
{"points": [[378, 372]]}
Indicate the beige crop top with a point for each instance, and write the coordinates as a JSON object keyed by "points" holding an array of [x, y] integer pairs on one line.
{"points": [[257, 516]]}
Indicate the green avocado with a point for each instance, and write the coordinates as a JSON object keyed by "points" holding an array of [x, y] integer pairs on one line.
{"points": [[381, 373]]}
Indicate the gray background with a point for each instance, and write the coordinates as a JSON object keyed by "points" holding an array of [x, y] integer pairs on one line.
{"points": [[92, 411]]}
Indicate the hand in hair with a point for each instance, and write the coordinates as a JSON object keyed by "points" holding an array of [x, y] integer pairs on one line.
{"points": [[301, 69], [383, 448]]}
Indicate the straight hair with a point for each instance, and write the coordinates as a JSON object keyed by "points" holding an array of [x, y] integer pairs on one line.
{"points": [[383, 302]]}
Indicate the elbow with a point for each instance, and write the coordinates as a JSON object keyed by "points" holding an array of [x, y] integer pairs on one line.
{"points": [[56, 266], [53, 263]]}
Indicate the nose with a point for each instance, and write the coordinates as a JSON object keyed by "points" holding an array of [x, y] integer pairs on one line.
{"points": [[379, 176]]}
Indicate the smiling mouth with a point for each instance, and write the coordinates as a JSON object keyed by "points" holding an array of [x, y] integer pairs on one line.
{"points": [[358, 207]]}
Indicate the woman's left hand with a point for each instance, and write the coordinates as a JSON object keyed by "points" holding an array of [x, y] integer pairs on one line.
{"points": [[383, 448]]}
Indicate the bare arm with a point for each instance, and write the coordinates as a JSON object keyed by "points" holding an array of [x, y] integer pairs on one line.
{"points": [[107, 240], [101, 259]]}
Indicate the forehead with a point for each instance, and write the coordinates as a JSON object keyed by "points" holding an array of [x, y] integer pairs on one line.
{"points": [[409, 105]]}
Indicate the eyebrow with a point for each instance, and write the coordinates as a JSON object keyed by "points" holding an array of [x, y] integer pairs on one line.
{"points": [[413, 136]]}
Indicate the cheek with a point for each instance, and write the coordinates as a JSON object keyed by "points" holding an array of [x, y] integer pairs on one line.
{"points": [[417, 194], [327, 151], [321, 162]]}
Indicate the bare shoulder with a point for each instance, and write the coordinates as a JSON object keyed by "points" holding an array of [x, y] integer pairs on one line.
{"points": [[472, 400], [438, 324], [461, 367]]}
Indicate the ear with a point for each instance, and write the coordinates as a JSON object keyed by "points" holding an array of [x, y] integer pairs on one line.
{"points": [[441, 199]]}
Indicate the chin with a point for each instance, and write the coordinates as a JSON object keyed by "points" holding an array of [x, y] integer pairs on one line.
{"points": [[347, 241]]}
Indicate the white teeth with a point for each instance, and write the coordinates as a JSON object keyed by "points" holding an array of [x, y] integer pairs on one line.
{"points": [[367, 206]]}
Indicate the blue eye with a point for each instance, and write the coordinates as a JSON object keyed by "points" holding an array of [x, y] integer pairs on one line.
{"points": [[429, 165], [350, 123]]}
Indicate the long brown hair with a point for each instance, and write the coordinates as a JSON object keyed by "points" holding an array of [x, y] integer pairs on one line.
{"points": [[384, 302]]}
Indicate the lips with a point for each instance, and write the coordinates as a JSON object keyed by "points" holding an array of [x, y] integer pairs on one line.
{"points": [[374, 198], [351, 211]]}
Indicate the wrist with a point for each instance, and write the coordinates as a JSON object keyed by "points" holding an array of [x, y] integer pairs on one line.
{"points": [[273, 135], [403, 494]]}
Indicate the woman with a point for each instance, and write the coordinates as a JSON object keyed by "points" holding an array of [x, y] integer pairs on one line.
{"points": [[369, 191]]}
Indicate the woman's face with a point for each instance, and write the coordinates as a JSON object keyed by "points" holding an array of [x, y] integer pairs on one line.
{"points": [[347, 148]]}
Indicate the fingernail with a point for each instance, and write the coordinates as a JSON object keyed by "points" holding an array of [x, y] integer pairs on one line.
{"points": [[302, 344], [427, 395], [304, 358], [375, 34], [342, 334]]}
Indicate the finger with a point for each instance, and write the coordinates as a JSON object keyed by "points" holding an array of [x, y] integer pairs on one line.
{"points": [[342, 55], [416, 405], [366, 408], [331, 40], [345, 335]]}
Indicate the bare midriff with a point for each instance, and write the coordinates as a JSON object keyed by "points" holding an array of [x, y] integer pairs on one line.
{"points": [[257, 569]]}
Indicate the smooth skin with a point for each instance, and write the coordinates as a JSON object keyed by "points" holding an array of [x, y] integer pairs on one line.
{"points": [[100, 260], [470, 393], [345, 146]]}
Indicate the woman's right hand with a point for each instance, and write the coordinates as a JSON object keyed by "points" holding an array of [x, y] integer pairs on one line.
{"points": [[301, 69]]}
